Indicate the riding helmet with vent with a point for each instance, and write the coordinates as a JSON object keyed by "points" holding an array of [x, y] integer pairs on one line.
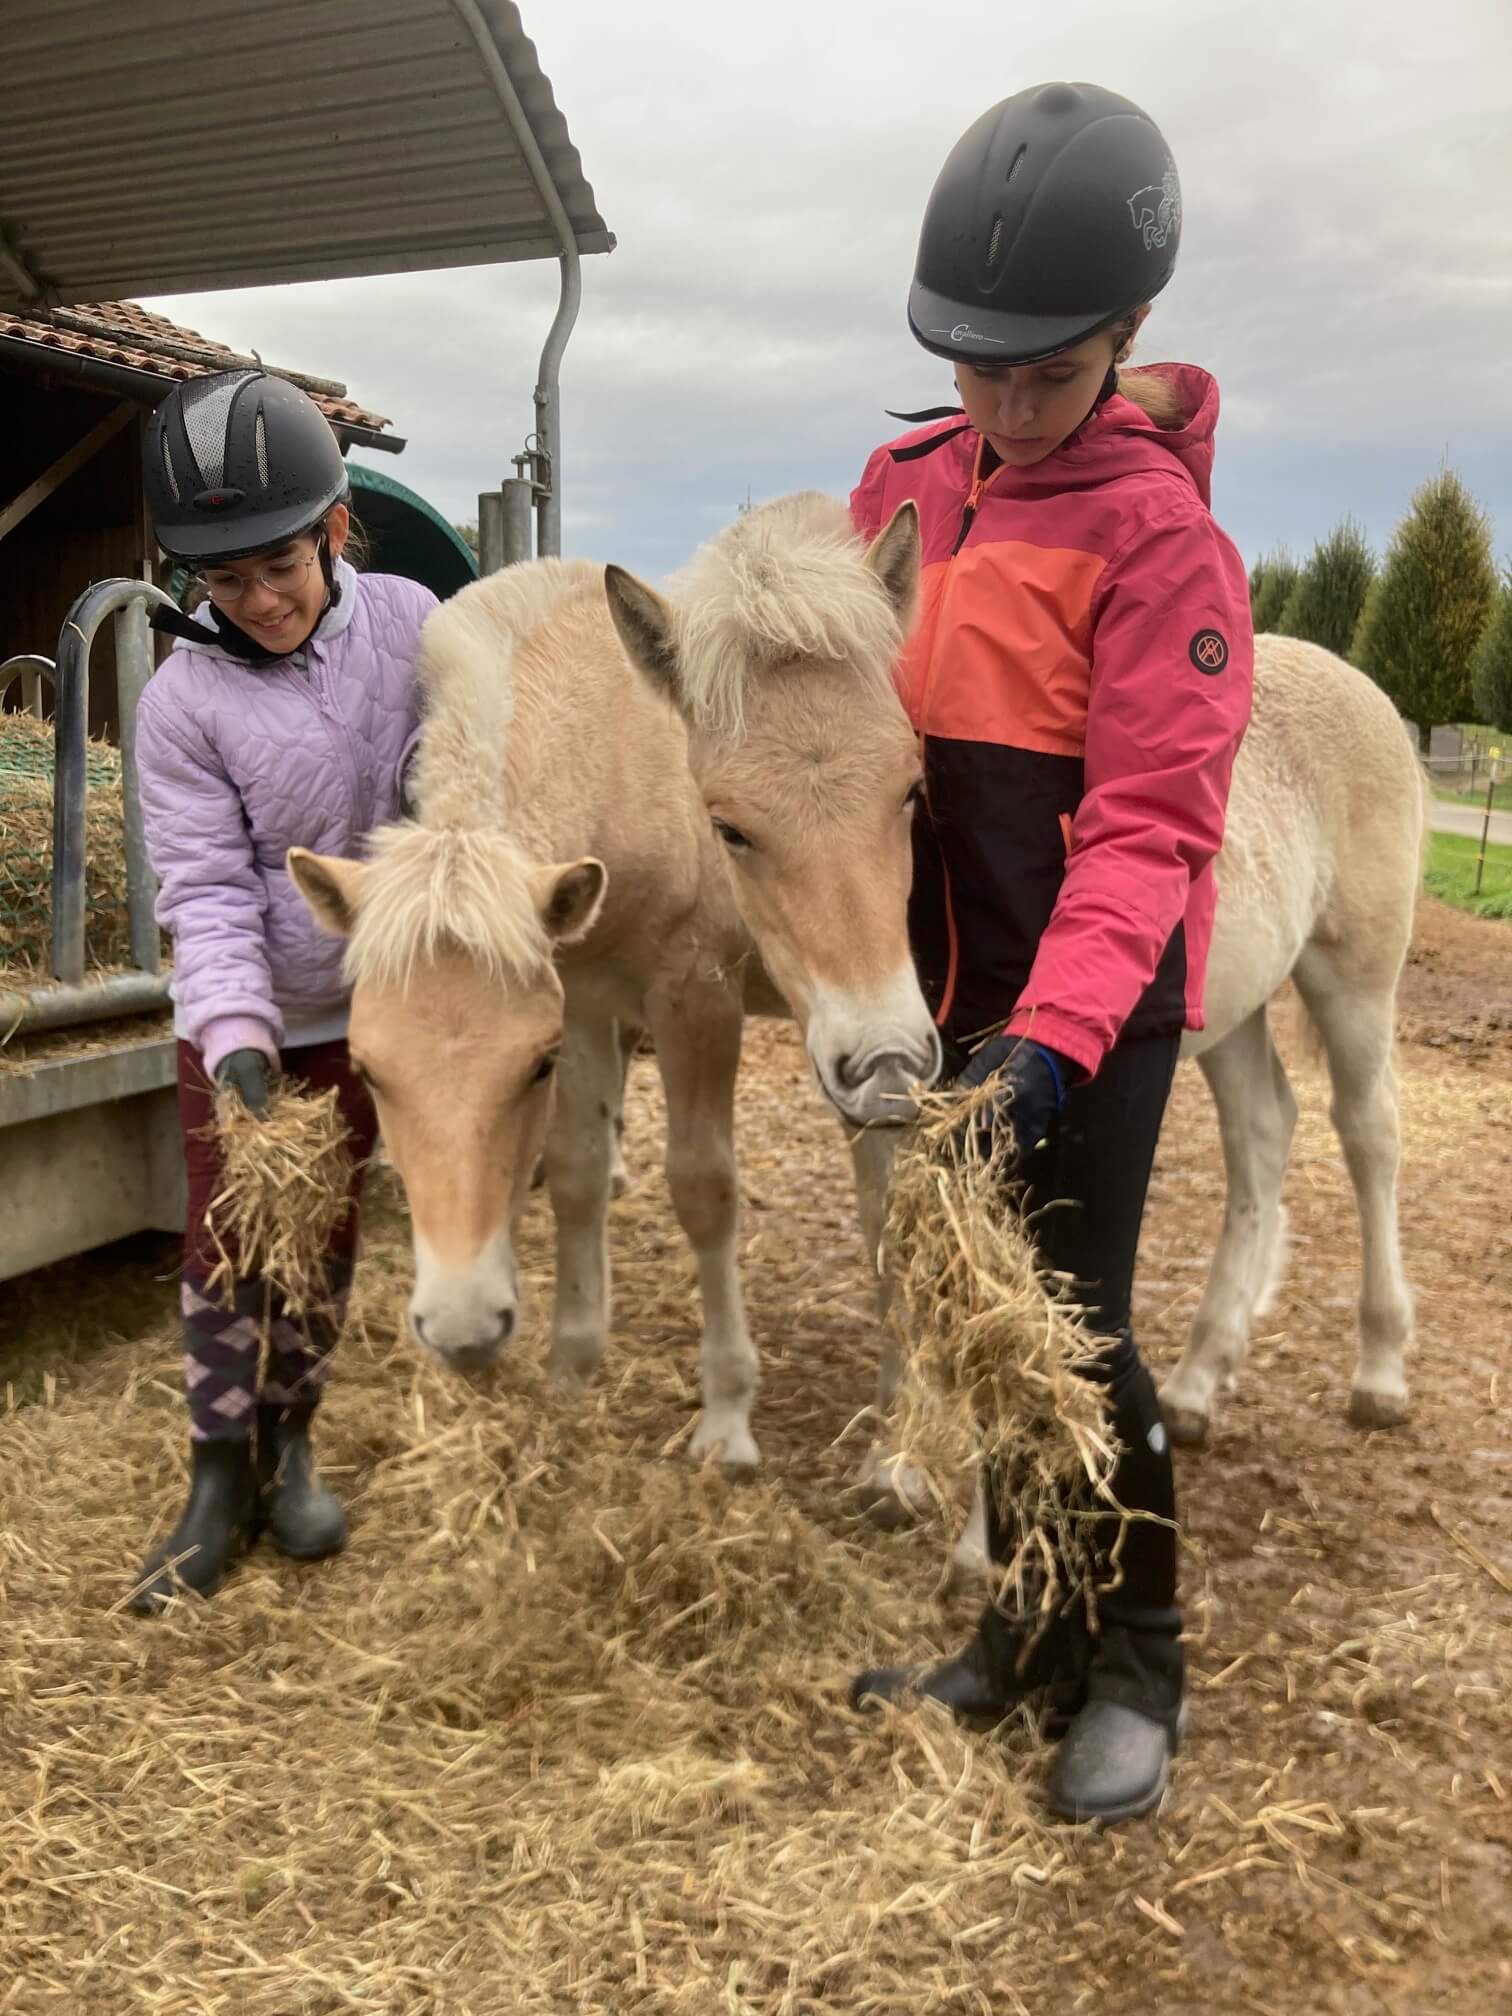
{"points": [[1056, 214], [239, 463]]}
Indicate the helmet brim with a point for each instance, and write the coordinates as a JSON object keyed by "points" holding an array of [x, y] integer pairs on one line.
{"points": [[208, 542], [988, 336]]}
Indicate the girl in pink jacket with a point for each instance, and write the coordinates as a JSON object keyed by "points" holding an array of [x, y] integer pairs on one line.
{"points": [[1080, 679], [284, 718]]}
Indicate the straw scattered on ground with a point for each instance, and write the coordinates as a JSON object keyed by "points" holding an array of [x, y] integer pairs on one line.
{"points": [[564, 1730], [287, 1178]]}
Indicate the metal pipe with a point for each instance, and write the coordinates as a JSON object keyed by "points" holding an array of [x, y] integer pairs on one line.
{"points": [[31, 669], [63, 1006], [548, 406], [490, 532], [548, 399], [518, 496], [71, 779], [134, 667]]}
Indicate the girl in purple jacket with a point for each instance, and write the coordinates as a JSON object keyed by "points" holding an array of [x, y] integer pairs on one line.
{"points": [[284, 719]]}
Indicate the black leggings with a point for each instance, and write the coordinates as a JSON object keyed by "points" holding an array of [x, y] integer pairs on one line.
{"points": [[1098, 1176]]}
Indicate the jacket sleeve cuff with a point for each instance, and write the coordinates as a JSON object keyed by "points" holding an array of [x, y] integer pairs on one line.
{"points": [[226, 1033], [1046, 1025]]}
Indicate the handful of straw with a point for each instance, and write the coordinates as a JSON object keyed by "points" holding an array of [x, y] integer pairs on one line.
{"points": [[996, 1361], [287, 1181]]}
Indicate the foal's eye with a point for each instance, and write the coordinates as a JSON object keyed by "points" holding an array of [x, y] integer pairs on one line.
{"points": [[544, 1068], [732, 837]]}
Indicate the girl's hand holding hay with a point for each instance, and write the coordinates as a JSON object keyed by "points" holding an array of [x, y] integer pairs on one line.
{"points": [[288, 1174]]}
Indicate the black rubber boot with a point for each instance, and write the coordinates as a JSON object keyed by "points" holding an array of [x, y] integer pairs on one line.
{"points": [[1116, 1757], [987, 1680], [302, 1516], [218, 1523]]}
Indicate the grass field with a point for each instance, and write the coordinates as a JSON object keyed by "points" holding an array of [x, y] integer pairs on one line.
{"points": [[1450, 874]]}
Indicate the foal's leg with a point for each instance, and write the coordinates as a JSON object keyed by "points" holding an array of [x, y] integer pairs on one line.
{"points": [[893, 1492], [1257, 1114], [697, 1039], [1355, 1020], [577, 1171], [628, 1037]]}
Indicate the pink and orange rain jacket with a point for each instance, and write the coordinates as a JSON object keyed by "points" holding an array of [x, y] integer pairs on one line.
{"points": [[1080, 679]]}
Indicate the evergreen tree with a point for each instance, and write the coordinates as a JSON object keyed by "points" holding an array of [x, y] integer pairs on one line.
{"points": [[1326, 604], [1277, 576], [1491, 669], [1425, 614]]}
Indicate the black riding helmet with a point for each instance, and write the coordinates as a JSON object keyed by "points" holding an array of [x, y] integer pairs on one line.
{"points": [[237, 464], [1057, 214]]}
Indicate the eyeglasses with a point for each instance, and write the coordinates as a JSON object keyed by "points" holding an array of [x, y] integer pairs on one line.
{"points": [[284, 576]]}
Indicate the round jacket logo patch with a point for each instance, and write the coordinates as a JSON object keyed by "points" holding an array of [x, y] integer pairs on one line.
{"points": [[1209, 651]]}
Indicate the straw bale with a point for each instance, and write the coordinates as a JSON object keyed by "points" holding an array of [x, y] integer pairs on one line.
{"points": [[26, 816]]}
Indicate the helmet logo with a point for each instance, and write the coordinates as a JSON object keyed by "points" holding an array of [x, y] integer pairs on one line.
{"points": [[1155, 211], [964, 331]]}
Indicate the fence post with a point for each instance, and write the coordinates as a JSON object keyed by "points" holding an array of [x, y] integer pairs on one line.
{"points": [[1480, 859]]}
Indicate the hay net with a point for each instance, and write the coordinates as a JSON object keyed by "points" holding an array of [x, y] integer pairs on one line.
{"points": [[997, 1360]]}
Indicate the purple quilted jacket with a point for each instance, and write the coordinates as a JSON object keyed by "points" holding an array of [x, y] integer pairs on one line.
{"points": [[238, 764]]}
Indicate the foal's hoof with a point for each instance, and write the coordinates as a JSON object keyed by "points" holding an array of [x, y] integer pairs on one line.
{"points": [[968, 1570], [1186, 1426], [730, 1441], [1378, 1410], [892, 1492]]}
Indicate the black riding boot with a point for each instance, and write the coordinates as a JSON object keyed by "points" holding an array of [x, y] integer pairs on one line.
{"points": [[303, 1517], [987, 1678], [1117, 1755], [217, 1524]]}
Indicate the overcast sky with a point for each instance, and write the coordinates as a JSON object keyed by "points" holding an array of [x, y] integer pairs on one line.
{"points": [[1346, 266]]}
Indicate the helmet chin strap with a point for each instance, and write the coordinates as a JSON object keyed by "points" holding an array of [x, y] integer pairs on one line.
{"points": [[231, 637]]}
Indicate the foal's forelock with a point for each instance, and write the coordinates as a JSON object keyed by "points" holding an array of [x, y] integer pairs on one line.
{"points": [[432, 890], [787, 583]]}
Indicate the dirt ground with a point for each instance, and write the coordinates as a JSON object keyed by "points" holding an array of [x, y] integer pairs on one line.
{"points": [[564, 1729]]}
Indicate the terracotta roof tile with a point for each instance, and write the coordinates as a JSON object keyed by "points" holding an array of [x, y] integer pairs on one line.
{"points": [[136, 340]]}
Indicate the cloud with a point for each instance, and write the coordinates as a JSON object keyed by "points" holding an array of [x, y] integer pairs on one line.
{"points": [[1346, 267]]}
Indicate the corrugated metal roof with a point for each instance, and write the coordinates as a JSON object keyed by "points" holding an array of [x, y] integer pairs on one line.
{"points": [[142, 340], [171, 146]]}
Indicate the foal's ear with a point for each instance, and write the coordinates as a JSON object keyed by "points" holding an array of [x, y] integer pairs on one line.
{"points": [[647, 628], [569, 899], [331, 888], [893, 557]]}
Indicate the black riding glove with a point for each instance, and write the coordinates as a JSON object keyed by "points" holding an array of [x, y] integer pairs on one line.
{"points": [[246, 1072], [1031, 1083]]}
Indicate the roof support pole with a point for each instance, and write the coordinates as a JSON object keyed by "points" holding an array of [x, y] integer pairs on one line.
{"points": [[548, 396]]}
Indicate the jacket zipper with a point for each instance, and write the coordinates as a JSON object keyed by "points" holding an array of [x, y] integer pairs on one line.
{"points": [[979, 485], [341, 737]]}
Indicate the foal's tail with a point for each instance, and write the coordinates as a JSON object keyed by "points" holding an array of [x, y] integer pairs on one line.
{"points": [[467, 651]]}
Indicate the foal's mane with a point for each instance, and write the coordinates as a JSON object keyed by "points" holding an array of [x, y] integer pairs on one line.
{"points": [[456, 879], [786, 581]]}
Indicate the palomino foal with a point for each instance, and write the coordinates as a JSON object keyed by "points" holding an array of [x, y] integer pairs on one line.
{"points": [[1317, 884], [572, 871]]}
